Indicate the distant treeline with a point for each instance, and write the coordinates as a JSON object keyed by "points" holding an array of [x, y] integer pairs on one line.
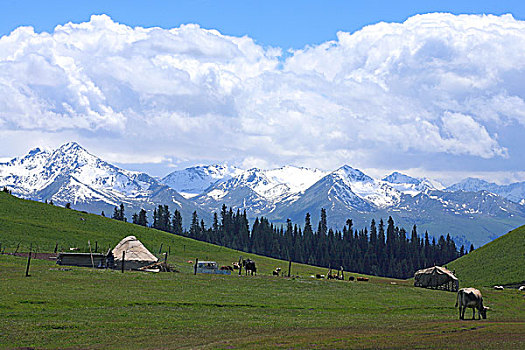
{"points": [[381, 250]]}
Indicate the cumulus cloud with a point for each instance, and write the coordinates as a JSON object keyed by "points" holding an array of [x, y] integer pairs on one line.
{"points": [[437, 83]]}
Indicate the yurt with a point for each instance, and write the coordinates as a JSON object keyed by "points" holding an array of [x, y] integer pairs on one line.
{"points": [[136, 255]]}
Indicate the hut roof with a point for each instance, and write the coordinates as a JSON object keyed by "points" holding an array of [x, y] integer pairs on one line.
{"points": [[134, 249], [436, 277], [437, 271]]}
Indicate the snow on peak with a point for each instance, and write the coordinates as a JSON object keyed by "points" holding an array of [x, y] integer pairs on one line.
{"points": [[399, 178], [272, 184], [355, 181], [298, 179], [39, 169], [195, 180], [410, 185], [353, 174], [472, 184]]}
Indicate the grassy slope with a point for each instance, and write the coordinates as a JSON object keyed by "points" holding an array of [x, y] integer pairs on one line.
{"points": [[42, 225], [87, 308], [499, 262]]}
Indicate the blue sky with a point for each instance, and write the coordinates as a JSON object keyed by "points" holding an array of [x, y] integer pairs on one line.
{"points": [[435, 90], [286, 24]]}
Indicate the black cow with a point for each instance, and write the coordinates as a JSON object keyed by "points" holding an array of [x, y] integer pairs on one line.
{"points": [[249, 265]]}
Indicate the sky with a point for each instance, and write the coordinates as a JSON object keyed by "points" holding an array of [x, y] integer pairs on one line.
{"points": [[428, 88]]}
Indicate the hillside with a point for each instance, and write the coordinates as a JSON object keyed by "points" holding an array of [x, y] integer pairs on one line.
{"points": [[500, 262], [43, 226], [92, 308]]}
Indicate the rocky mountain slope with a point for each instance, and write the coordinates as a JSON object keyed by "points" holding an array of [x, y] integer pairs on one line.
{"points": [[471, 211]]}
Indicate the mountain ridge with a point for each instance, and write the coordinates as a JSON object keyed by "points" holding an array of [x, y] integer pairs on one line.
{"points": [[70, 174]]}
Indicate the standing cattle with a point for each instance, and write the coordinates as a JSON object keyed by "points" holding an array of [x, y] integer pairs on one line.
{"points": [[249, 265], [471, 297]]}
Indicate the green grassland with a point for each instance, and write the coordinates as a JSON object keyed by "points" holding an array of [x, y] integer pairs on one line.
{"points": [[500, 262], [79, 308], [89, 308], [27, 223]]}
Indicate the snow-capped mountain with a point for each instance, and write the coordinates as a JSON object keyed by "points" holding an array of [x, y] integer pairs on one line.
{"points": [[514, 192], [37, 172], [378, 193], [70, 174], [193, 181], [258, 190], [411, 185], [348, 193], [473, 209], [271, 184]]}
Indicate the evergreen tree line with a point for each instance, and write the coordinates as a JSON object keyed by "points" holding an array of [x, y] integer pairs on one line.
{"points": [[381, 249]]}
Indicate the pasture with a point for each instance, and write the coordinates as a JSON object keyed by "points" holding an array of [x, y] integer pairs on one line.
{"points": [[500, 262], [82, 308], [62, 307]]}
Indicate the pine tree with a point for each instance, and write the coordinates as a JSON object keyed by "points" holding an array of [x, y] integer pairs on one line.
{"points": [[177, 223], [381, 249], [122, 217], [308, 237], [116, 214], [155, 219], [195, 228], [142, 220]]}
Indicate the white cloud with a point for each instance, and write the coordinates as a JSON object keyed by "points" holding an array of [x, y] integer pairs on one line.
{"points": [[435, 84]]}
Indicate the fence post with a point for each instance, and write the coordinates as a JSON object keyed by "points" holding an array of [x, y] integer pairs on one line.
{"points": [[195, 267], [123, 260], [28, 260], [289, 267], [91, 255]]}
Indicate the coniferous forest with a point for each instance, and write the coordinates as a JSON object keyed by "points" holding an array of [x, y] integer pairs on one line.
{"points": [[383, 249]]}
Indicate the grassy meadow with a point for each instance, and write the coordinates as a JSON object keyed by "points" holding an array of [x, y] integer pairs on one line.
{"points": [[82, 308], [500, 262], [87, 308]]}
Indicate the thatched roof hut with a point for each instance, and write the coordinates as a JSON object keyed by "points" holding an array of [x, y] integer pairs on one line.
{"points": [[436, 277]]}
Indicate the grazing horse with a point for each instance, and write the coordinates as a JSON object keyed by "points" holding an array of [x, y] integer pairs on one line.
{"points": [[249, 265]]}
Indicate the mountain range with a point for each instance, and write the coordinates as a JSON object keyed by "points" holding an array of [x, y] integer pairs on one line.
{"points": [[472, 211]]}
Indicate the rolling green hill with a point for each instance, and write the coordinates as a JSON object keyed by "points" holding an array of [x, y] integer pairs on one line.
{"points": [[91, 308], [24, 223], [500, 262]]}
